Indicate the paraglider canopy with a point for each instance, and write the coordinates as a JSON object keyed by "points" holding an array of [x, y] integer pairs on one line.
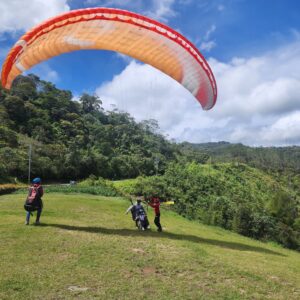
{"points": [[118, 30]]}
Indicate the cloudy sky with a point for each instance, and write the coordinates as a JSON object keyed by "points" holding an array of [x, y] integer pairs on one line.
{"points": [[253, 48]]}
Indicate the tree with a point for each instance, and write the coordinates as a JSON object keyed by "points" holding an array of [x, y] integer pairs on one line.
{"points": [[90, 103], [25, 88], [284, 207], [8, 137], [15, 108]]}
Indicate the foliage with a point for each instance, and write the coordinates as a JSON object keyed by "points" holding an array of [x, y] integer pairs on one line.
{"points": [[103, 189], [126, 187], [271, 159], [7, 188]]}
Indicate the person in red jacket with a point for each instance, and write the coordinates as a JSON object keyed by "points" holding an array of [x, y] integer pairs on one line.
{"points": [[155, 203]]}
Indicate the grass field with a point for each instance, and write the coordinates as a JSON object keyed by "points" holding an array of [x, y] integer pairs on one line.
{"points": [[86, 248]]}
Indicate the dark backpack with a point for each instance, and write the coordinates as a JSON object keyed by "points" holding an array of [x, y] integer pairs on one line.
{"points": [[32, 200]]}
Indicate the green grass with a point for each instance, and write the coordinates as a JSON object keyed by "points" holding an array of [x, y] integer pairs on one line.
{"points": [[86, 241]]}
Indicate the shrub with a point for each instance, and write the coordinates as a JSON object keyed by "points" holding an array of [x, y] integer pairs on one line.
{"points": [[9, 188]]}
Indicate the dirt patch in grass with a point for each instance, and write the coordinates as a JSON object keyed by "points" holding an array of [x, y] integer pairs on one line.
{"points": [[149, 271], [138, 251], [74, 288], [63, 257]]}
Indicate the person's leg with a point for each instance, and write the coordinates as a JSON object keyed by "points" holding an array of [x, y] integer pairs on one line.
{"points": [[38, 215], [147, 222], [27, 217], [157, 222]]}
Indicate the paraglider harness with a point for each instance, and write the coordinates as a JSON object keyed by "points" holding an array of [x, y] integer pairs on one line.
{"points": [[34, 200], [138, 215], [141, 218]]}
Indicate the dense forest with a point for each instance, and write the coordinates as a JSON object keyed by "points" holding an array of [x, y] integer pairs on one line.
{"points": [[280, 159], [253, 191], [73, 139]]}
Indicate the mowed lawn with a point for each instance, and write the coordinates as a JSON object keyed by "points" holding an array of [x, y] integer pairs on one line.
{"points": [[87, 248]]}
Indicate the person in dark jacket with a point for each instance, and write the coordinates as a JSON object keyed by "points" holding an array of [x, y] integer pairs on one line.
{"points": [[34, 200], [155, 204], [137, 210]]}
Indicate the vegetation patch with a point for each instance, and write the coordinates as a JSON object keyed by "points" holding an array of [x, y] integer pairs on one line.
{"points": [[10, 188], [233, 196]]}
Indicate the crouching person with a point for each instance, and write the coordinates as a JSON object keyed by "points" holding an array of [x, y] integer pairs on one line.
{"points": [[34, 201], [141, 216]]}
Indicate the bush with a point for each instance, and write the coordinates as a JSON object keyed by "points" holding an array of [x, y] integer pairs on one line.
{"points": [[126, 187], [288, 237], [103, 190], [9, 188]]}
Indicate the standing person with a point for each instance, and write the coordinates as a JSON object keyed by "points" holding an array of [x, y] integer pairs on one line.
{"points": [[34, 200], [155, 203]]}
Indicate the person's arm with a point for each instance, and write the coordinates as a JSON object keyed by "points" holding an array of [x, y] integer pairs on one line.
{"points": [[41, 191], [150, 202], [129, 209]]}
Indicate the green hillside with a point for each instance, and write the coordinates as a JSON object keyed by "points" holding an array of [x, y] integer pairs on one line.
{"points": [[233, 196], [280, 159], [72, 139], [87, 248]]}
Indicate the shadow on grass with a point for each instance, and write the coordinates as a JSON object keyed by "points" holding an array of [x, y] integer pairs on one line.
{"points": [[167, 235]]}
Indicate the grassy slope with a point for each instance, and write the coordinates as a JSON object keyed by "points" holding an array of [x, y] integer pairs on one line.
{"points": [[86, 241]]}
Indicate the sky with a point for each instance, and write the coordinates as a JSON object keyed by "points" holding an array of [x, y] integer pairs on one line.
{"points": [[252, 47]]}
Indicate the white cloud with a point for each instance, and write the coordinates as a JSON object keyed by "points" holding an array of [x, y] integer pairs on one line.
{"points": [[45, 72], [22, 15], [109, 2], [161, 10], [258, 101], [207, 46], [146, 93], [209, 32], [284, 131], [123, 57], [205, 43]]}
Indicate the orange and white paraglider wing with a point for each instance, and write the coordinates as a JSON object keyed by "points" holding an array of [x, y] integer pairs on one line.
{"points": [[112, 29]]}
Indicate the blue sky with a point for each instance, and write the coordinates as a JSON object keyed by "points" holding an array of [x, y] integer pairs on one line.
{"points": [[252, 47]]}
